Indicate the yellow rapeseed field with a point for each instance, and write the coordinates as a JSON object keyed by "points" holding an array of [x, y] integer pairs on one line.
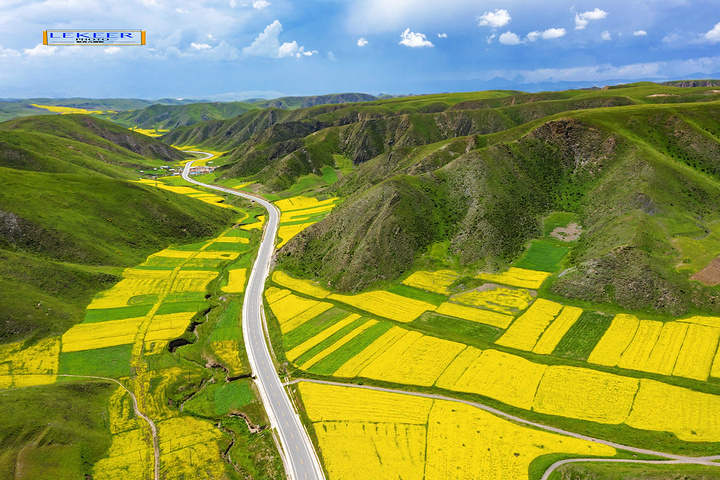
{"points": [[27, 367], [354, 366], [228, 353], [386, 304], [88, 336], [667, 348], [189, 448], [66, 110], [130, 456], [367, 434], [507, 378], [692, 416], [585, 394], [256, 225], [637, 354], [415, 359], [164, 328], [236, 280], [308, 314], [615, 340], [707, 321], [438, 281], [290, 306], [308, 344], [500, 299], [306, 287], [326, 403], [297, 209], [339, 343], [517, 277], [466, 442], [232, 240], [210, 198], [273, 294], [473, 314], [697, 352], [287, 232], [557, 330], [121, 412], [525, 332], [372, 450]]}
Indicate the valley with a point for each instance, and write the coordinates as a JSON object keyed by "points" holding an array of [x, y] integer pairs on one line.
{"points": [[499, 285]]}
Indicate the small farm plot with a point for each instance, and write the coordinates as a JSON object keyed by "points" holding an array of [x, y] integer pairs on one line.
{"points": [[438, 281], [525, 332]]}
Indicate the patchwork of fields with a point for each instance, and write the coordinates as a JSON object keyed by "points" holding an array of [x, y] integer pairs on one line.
{"points": [[129, 333], [399, 436], [298, 213]]}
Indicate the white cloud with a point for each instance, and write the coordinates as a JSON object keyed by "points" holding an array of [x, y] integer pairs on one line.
{"points": [[714, 34], [8, 52], [640, 33], [267, 44], [148, 3], [672, 38], [548, 34], [509, 38], [582, 19], [260, 4], [40, 50], [490, 39], [200, 46], [182, 10], [414, 40], [362, 42], [233, 4], [111, 50], [605, 36], [331, 56], [498, 18], [442, 35]]}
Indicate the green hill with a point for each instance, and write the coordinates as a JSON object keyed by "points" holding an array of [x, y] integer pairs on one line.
{"points": [[637, 164], [70, 219]]}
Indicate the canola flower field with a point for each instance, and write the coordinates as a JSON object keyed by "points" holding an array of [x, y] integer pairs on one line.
{"points": [[399, 436], [127, 334], [372, 335], [66, 110], [298, 213]]}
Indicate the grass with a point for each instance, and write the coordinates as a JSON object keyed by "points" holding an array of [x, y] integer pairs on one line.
{"points": [[582, 337], [545, 255], [615, 471], [463, 331], [557, 219], [59, 442], [220, 399], [330, 340], [106, 314], [178, 307], [113, 362], [329, 364], [313, 327], [436, 299]]}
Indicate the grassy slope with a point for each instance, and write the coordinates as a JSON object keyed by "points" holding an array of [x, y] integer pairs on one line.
{"points": [[639, 177], [65, 204]]}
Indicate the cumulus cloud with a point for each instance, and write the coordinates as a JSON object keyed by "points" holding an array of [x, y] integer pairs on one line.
{"points": [[260, 4], [714, 34], [605, 36], [362, 42], [509, 38], [40, 50], [200, 46], [548, 34], [582, 19], [442, 35], [111, 50], [639, 33], [331, 56], [414, 40], [672, 38], [498, 18], [267, 44]]}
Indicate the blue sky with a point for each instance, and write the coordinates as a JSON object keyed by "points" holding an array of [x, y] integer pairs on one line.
{"points": [[226, 49]]}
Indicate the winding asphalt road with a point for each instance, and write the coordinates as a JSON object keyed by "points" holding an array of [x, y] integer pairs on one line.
{"points": [[299, 456]]}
